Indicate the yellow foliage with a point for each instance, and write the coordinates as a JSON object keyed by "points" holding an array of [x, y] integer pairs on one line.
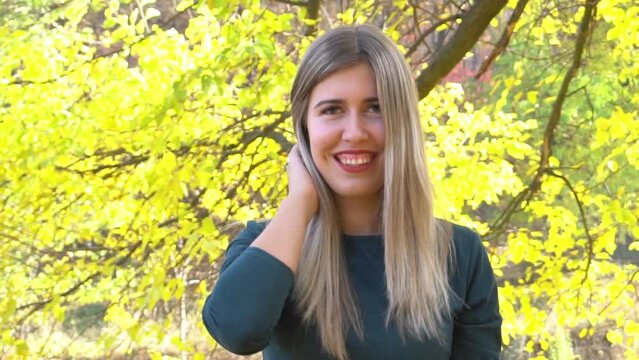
{"points": [[132, 153]]}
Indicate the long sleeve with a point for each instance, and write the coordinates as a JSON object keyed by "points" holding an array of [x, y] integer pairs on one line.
{"points": [[247, 300], [477, 329]]}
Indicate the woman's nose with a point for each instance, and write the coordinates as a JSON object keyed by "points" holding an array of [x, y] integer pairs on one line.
{"points": [[355, 127]]}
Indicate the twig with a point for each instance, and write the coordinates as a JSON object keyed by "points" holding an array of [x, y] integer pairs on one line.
{"points": [[294, 3], [498, 226], [38, 305], [504, 39], [429, 31], [584, 221], [632, 278]]}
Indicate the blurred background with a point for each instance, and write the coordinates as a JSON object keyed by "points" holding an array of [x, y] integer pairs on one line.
{"points": [[137, 136]]}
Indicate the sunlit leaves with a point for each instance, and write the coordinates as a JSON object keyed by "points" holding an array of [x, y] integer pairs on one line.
{"points": [[465, 144], [132, 148], [586, 209], [122, 170]]}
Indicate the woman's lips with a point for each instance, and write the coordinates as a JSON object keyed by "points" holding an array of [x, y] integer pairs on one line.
{"points": [[354, 158], [355, 162]]}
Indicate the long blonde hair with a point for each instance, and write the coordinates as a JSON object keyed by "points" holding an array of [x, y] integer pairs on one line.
{"points": [[418, 249]]}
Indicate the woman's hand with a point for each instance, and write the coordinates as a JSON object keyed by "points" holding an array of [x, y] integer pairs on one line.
{"points": [[284, 235], [300, 184]]}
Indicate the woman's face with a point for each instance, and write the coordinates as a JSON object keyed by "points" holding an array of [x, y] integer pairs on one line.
{"points": [[346, 132]]}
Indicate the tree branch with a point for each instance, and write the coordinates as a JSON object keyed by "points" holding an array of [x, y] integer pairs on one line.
{"points": [[497, 227], [39, 305], [115, 51], [294, 3], [628, 283], [124, 162], [584, 221], [429, 31], [312, 14], [473, 24], [504, 39], [555, 115]]}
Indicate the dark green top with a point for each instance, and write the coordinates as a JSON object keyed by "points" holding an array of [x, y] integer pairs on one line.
{"points": [[250, 308]]}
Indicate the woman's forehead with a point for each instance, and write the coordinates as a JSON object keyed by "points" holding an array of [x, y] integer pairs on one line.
{"points": [[358, 78]]}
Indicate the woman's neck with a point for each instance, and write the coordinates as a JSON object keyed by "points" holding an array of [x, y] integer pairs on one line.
{"points": [[359, 216]]}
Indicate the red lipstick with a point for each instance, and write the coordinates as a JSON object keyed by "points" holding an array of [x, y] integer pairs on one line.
{"points": [[355, 161]]}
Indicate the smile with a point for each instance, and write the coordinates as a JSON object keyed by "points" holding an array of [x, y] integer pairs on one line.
{"points": [[355, 161], [359, 159]]}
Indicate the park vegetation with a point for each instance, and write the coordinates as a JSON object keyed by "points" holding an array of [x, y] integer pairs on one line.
{"points": [[137, 136]]}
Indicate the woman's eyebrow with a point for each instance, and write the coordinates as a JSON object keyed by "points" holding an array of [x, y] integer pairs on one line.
{"points": [[328, 101], [340, 101]]}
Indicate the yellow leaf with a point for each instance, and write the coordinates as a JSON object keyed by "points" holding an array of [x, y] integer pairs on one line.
{"points": [[544, 344], [7, 338], [208, 227], [506, 340], [9, 307], [537, 32], [632, 328], [583, 333], [22, 349], [530, 346], [58, 313], [614, 336], [175, 340]]}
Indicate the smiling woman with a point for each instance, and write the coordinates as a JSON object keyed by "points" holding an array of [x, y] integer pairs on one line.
{"points": [[354, 264], [346, 136]]}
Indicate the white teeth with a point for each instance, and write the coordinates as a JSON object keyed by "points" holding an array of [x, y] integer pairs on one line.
{"points": [[357, 161]]}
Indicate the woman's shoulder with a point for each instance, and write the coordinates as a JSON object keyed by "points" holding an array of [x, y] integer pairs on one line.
{"points": [[469, 262], [257, 225], [459, 233], [251, 231], [466, 243], [242, 240]]}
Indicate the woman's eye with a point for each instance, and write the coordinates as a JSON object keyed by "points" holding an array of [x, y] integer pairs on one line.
{"points": [[375, 108], [330, 110]]}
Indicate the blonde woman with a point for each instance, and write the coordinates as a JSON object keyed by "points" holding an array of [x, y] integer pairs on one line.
{"points": [[354, 264]]}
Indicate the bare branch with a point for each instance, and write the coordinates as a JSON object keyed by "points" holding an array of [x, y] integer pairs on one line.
{"points": [[504, 39], [584, 221], [429, 31], [294, 3]]}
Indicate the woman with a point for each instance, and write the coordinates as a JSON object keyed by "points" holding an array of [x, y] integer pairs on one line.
{"points": [[354, 265]]}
